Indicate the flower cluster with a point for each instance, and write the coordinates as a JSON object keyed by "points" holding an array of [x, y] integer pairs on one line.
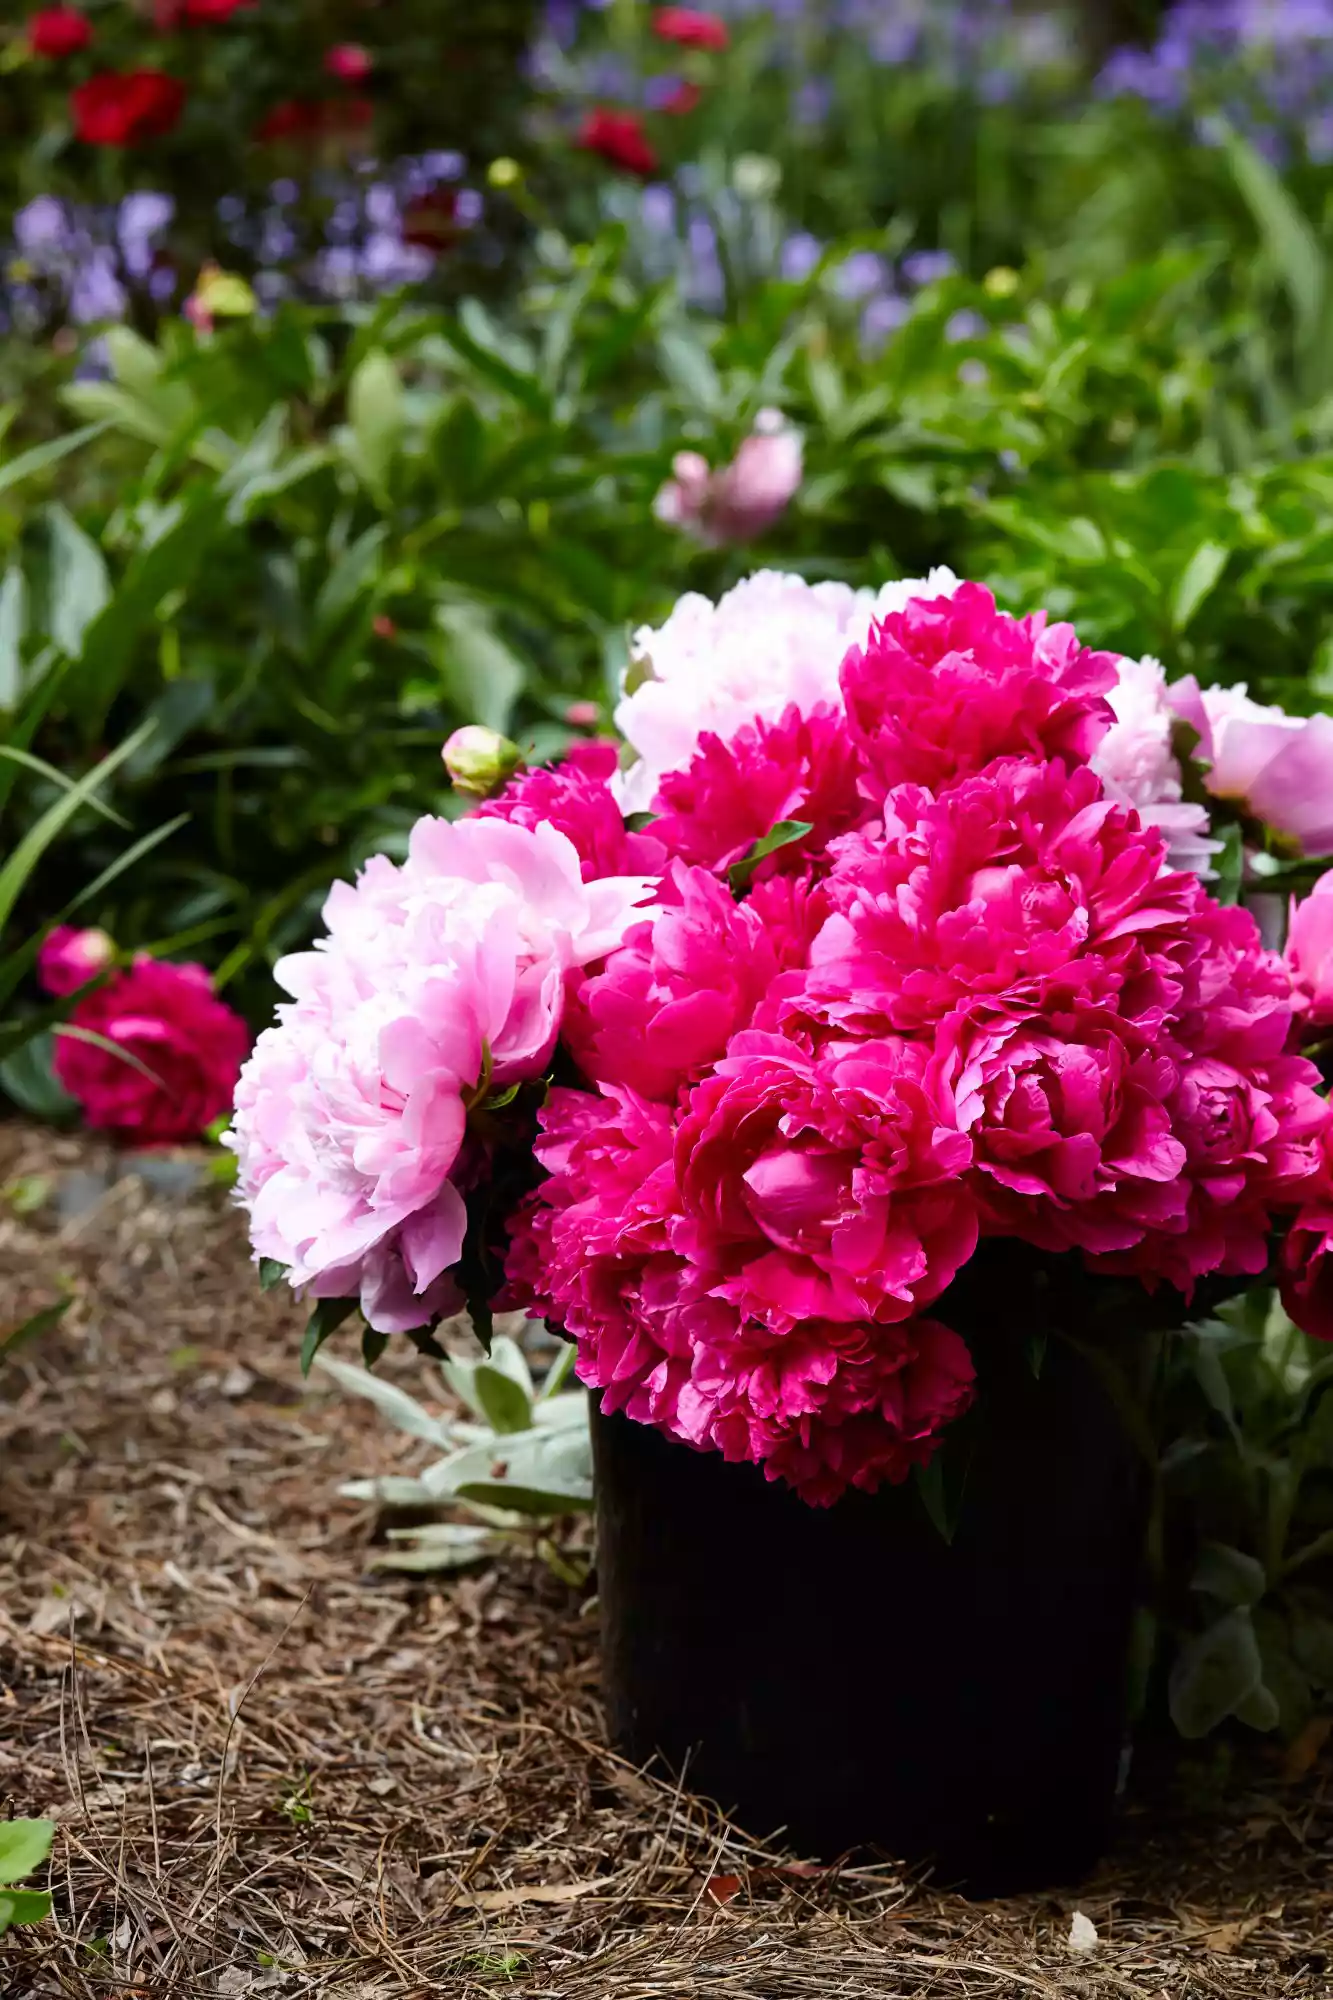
{"points": [[903, 958]]}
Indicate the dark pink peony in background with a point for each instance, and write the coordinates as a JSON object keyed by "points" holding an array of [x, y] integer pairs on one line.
{"points": [[186, 1046]]}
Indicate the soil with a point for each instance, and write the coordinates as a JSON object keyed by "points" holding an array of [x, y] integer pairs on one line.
{"points": [[277, 1769]]}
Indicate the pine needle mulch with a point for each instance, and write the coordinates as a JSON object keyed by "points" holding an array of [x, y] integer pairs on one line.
{"points": [[277, 1771]]}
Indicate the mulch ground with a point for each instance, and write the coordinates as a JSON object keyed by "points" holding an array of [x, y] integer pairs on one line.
{"points": [[276, 1770]]}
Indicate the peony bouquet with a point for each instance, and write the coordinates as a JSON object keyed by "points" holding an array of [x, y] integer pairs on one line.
{"points": [[895, 924]]}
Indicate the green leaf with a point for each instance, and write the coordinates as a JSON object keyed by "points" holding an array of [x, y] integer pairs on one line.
{"points": [[44, 455], [1229, 865], [327, 1317], [505, 1404], [53, 821], [1215, 1674], [28, 1079], [1036, 1353], [372, 1346], [784, 834], [79, 588], [1196, 582], [13, 624], [1312, 1644], [271, 1273], [352, 574], [559, 1371], [1290, 239], [375, 407], [23, 1906], [1225, 1573], [24, 1845], [639, 822], [33, 1327], [485, 678]]}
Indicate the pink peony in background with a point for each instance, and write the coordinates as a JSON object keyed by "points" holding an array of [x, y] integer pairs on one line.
{"points": [[1277, 767], [739, 501], [1310, 953], [177, 1051]]}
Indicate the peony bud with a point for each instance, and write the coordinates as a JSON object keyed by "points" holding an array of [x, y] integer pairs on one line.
{"points": [[68, 959], [480, 761]]}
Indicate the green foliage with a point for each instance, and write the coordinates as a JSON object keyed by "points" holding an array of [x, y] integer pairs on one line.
{"points": [[24, 1845]]}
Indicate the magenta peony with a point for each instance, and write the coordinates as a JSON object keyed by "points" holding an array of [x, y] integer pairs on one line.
{"points": [[941, 688], [153, 1056], [68, 958], [575, 797]]}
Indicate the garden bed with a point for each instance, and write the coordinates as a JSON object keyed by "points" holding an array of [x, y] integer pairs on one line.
{"points": [[277, 1770]]}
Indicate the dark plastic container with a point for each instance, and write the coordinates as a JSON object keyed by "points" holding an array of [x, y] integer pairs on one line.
{"points": [[849, 1676]]}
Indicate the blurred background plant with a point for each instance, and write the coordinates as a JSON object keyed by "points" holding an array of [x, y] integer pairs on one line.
{"points": [[370, 371]]}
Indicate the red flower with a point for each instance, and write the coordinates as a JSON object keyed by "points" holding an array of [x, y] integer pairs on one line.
{"points": [[431, 221], [185, 1048], [57, 32], [305, 121], [124, 108], [619, 137], [169, 14], [348, 61], [683, 99], [692, 28]]}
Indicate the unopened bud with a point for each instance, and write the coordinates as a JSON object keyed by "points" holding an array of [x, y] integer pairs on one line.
{"points": [[480, 761]]}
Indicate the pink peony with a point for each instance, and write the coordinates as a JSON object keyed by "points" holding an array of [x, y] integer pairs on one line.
{"points": [[182, 1053], [741, 500], [771, 641], [668, 1001], [1310, 953], [575, 797], [1073, 1143], [1307, 1265], [438, 979], [1138, 766], [733, 793], [823, 1404], [1277, 768], [68, 958], [824, 1186], [943, 686]]}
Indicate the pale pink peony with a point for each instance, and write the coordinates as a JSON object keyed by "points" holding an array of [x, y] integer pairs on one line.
{"points": [[738, 501], [1310, 953], [733, 793], [944, 686], [438, 979], [772, 640], [575, 797], [181, 1052], [69, 958], [1277, 768], [1137, 764]]}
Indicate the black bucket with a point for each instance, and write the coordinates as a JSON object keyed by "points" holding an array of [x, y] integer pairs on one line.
{"points": [[848, 1675]]}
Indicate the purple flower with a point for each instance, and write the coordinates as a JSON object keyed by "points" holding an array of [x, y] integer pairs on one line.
{"points": [[928, 267], [799, 256]]}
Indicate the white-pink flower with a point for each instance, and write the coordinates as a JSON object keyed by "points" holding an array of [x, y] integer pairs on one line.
{"points": [[1277, 767], [772, 640], [739, 500], [1138, 766], [437, 979]]}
